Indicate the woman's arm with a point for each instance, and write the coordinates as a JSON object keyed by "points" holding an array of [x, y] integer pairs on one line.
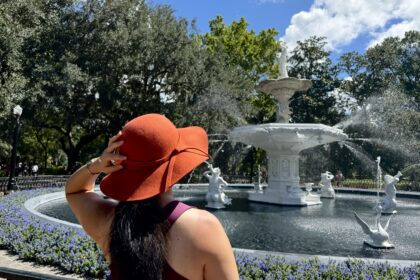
{"points": [[92, 211]]}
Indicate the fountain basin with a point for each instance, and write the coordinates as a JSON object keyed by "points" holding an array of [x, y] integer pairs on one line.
{"points": [[283, 143], [286, 138], [327, 229]]}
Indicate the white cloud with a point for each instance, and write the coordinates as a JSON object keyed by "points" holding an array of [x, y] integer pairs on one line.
{"points": [[343, 21]]}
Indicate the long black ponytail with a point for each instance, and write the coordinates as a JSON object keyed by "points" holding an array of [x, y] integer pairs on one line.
{"points": [[138, 240]]}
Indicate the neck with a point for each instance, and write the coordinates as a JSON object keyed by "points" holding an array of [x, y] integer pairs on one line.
{"points": [[165, 198]]}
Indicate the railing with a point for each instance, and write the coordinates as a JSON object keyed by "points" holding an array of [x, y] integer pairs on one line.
{"points": [[16, 274], [31, 182]]}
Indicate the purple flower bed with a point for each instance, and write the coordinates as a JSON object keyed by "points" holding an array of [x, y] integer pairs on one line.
{"points": [[43, 242], [278, 268]]}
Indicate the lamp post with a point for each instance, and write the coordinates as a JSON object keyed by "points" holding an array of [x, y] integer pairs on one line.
{"points": [[17, 112]]}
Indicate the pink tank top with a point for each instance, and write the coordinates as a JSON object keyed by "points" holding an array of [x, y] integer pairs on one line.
{"points": [[173, 210]]}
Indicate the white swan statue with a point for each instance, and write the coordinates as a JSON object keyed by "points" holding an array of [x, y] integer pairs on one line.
{"points": [[378, 234]]}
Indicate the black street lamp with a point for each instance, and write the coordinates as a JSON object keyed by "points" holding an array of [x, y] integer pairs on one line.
{"points": [[17, 112]]}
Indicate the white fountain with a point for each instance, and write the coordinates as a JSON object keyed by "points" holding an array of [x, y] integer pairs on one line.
{"points": [[283, 142]]}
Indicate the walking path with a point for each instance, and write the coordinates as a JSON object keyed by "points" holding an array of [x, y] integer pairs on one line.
{"points": [[10, 261]]}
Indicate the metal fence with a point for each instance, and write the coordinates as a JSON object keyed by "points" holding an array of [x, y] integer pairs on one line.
{"points": [[31, 182]]}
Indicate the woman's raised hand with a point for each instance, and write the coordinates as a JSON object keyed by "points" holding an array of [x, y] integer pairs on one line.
{"points": [[109, 161]]}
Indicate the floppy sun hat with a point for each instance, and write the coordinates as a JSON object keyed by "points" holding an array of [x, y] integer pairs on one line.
{"points": [[158, 155]]}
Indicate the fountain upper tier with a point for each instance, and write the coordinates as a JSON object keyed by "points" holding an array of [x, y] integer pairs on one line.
{"points": [[282, 90], [286, 138]]}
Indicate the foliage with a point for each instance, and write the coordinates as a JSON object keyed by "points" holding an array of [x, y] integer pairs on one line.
{"points": [[387, 125], [96, 65], [254, 53], [267, 108], [393, 63], [309, 60], [403, 185]]}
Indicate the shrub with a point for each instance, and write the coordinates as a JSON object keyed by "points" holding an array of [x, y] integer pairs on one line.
{"points": [[43, 242]]}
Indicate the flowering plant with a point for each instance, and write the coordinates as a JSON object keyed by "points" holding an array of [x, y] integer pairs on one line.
{"points": [[44, 242]]}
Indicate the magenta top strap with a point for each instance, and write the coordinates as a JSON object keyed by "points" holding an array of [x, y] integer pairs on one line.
{"points": [[174, 210]]}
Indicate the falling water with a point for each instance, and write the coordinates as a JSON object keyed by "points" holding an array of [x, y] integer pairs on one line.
{"points": [[361, 156], [378, 178], [219, 149], [381, 119]]}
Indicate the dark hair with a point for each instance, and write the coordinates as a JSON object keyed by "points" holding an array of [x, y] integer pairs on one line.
{"points": [[138, 240]]}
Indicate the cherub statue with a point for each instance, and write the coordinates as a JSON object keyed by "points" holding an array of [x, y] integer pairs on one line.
{"points": [[327, 190], [389, 202], [215, 196]]}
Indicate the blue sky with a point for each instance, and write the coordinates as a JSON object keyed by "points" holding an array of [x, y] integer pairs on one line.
{"points": [[349, 25]]}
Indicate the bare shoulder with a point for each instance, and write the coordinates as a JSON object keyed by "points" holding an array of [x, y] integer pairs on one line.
{"points": [[202, 241], [201, 218], [204, 229], [210, 244]]}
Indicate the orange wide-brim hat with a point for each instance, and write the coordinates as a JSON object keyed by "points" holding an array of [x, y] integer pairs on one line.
{"points": [[158, 156]]}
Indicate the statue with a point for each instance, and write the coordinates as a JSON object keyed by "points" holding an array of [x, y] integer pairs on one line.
{"points": [[389, 202], [215, 196], [308, 187], [378, 234], [283, 63], [327, 190]]}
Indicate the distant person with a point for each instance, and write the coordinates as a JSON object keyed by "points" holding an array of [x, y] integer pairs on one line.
{"points": [[24, 169], [34, 170], [143, 231], [7, 169], [339, 179]]}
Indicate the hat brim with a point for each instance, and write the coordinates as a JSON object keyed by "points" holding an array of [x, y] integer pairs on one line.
{"points": [[130, 185]]}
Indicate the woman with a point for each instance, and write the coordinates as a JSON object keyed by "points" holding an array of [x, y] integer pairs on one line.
{"points": [[143, 232]]}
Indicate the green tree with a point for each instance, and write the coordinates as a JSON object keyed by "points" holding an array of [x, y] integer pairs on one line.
{"points": [[19, 21], [254, 53], [393, 63], [99, 65], [385, 82], [254, 56], [309, 60]]}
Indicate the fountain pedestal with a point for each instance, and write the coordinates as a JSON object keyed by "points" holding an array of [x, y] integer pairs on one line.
{"points": [[283, 179]]}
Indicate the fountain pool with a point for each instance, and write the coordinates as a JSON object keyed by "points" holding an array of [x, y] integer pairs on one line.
{"points": [[325, 229]]}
